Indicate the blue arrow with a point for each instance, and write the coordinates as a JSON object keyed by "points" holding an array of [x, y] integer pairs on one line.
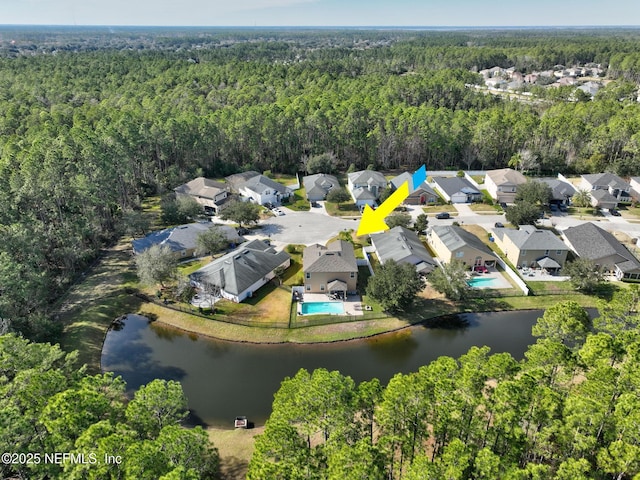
{"points": [[419, 177]]}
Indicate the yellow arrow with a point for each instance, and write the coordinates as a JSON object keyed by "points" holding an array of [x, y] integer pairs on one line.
{"points": [[373, 220]]}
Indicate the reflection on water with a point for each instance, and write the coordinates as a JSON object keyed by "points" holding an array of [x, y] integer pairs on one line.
{"points": [[226, 379]]}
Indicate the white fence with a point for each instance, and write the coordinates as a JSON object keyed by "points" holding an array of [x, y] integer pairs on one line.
{"points": [[365, 261], [514, 275]]}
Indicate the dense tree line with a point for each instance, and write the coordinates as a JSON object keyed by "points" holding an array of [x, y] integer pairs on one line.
{"points": [[50, 405], [569, 410], [87, 132]]}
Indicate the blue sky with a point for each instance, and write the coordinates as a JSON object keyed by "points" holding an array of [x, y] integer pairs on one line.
{"points": [[321, 12]]}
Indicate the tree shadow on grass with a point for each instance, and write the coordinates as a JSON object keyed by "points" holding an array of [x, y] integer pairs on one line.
{"points": [[232, 468]]}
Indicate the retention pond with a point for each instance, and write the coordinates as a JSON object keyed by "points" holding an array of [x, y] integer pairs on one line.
{"points": [[225, 379]]}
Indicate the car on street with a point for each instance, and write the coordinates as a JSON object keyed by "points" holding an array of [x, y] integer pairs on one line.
{"points": [[614, 212], [278, 212], [442, 215], [499, 225]]}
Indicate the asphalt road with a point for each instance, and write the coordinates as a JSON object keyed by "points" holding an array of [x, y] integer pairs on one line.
{"points": [[315, 226]]}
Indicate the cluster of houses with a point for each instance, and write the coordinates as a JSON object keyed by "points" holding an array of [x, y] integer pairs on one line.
{"points": [[333, 269], [512, 80]]}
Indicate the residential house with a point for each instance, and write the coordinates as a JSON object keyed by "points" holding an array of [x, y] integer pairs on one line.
{"points": [[208, 193], [330, 269], [634, 182], [420, 195], [590, 241], [319, 185], [183, 239], [366, 186], [561, 191], [603, 199], [531, 247], [457, 189], [450, 242], [237, 180], [403, 246], [503, 184], [262, 190], [609, 182], [240, 273]]}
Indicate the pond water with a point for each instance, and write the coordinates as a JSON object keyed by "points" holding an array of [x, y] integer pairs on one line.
{"points": [[225, 379]]}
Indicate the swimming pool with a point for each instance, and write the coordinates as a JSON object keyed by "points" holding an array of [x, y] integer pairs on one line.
{"points": [[314, 308], [485, 282]]}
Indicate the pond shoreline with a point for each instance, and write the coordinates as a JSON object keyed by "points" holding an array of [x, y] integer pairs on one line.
{"points": [[437, 322]]}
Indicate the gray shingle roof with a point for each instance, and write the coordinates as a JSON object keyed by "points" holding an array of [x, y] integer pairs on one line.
{"points": [[401, 244], [182, 237], [453, 185], [370, 177], [424, 187], [559, 190], [361, 193], [529, 237], [322, 180], [236, 271], [237, 180], [260, 183], [456, 237], [506, 176], [202, 187], [603, 196], [592, 242], [337, 256], [606, 180]]}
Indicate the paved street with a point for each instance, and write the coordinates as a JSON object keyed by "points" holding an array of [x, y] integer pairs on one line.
{"points": [[316, 226], [304, 228]]}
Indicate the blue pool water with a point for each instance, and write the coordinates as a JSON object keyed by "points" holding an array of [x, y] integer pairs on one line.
{"points": [[311, 308], [484, 282]]}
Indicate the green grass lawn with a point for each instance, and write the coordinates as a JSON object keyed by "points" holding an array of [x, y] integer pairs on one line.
{"points": [[341, 209], [299, 201], [433, 209], [483, 207]]}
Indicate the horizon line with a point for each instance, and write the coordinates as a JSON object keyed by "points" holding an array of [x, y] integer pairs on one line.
{"points": [[318, 26]]}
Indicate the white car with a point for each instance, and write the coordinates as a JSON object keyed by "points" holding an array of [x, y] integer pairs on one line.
{"points": [[278, 212]]}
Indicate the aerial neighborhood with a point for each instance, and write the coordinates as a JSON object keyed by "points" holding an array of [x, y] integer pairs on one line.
{"points": [[467, 219]]}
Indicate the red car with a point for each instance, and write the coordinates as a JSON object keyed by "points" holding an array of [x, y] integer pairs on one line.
{"points": [[480, 269]]}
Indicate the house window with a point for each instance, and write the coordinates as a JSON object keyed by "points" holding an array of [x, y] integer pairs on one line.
{"points": [[546, 252], [322, 288], [558, 252], [523, 252], [308, 288], [307, 275], [459, 254], [353, 274]]}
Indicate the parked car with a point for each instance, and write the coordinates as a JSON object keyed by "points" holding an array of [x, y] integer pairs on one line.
{"points": [[442, 215], [269, 205], [480, 269], [278, 212], [553, 207], [503, 205], [315, 204], [243, 231], [614, 212], [562, 207], [499, 225]]}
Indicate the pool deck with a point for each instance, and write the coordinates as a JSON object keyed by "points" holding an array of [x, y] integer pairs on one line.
{"points": [[352, 305]]}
